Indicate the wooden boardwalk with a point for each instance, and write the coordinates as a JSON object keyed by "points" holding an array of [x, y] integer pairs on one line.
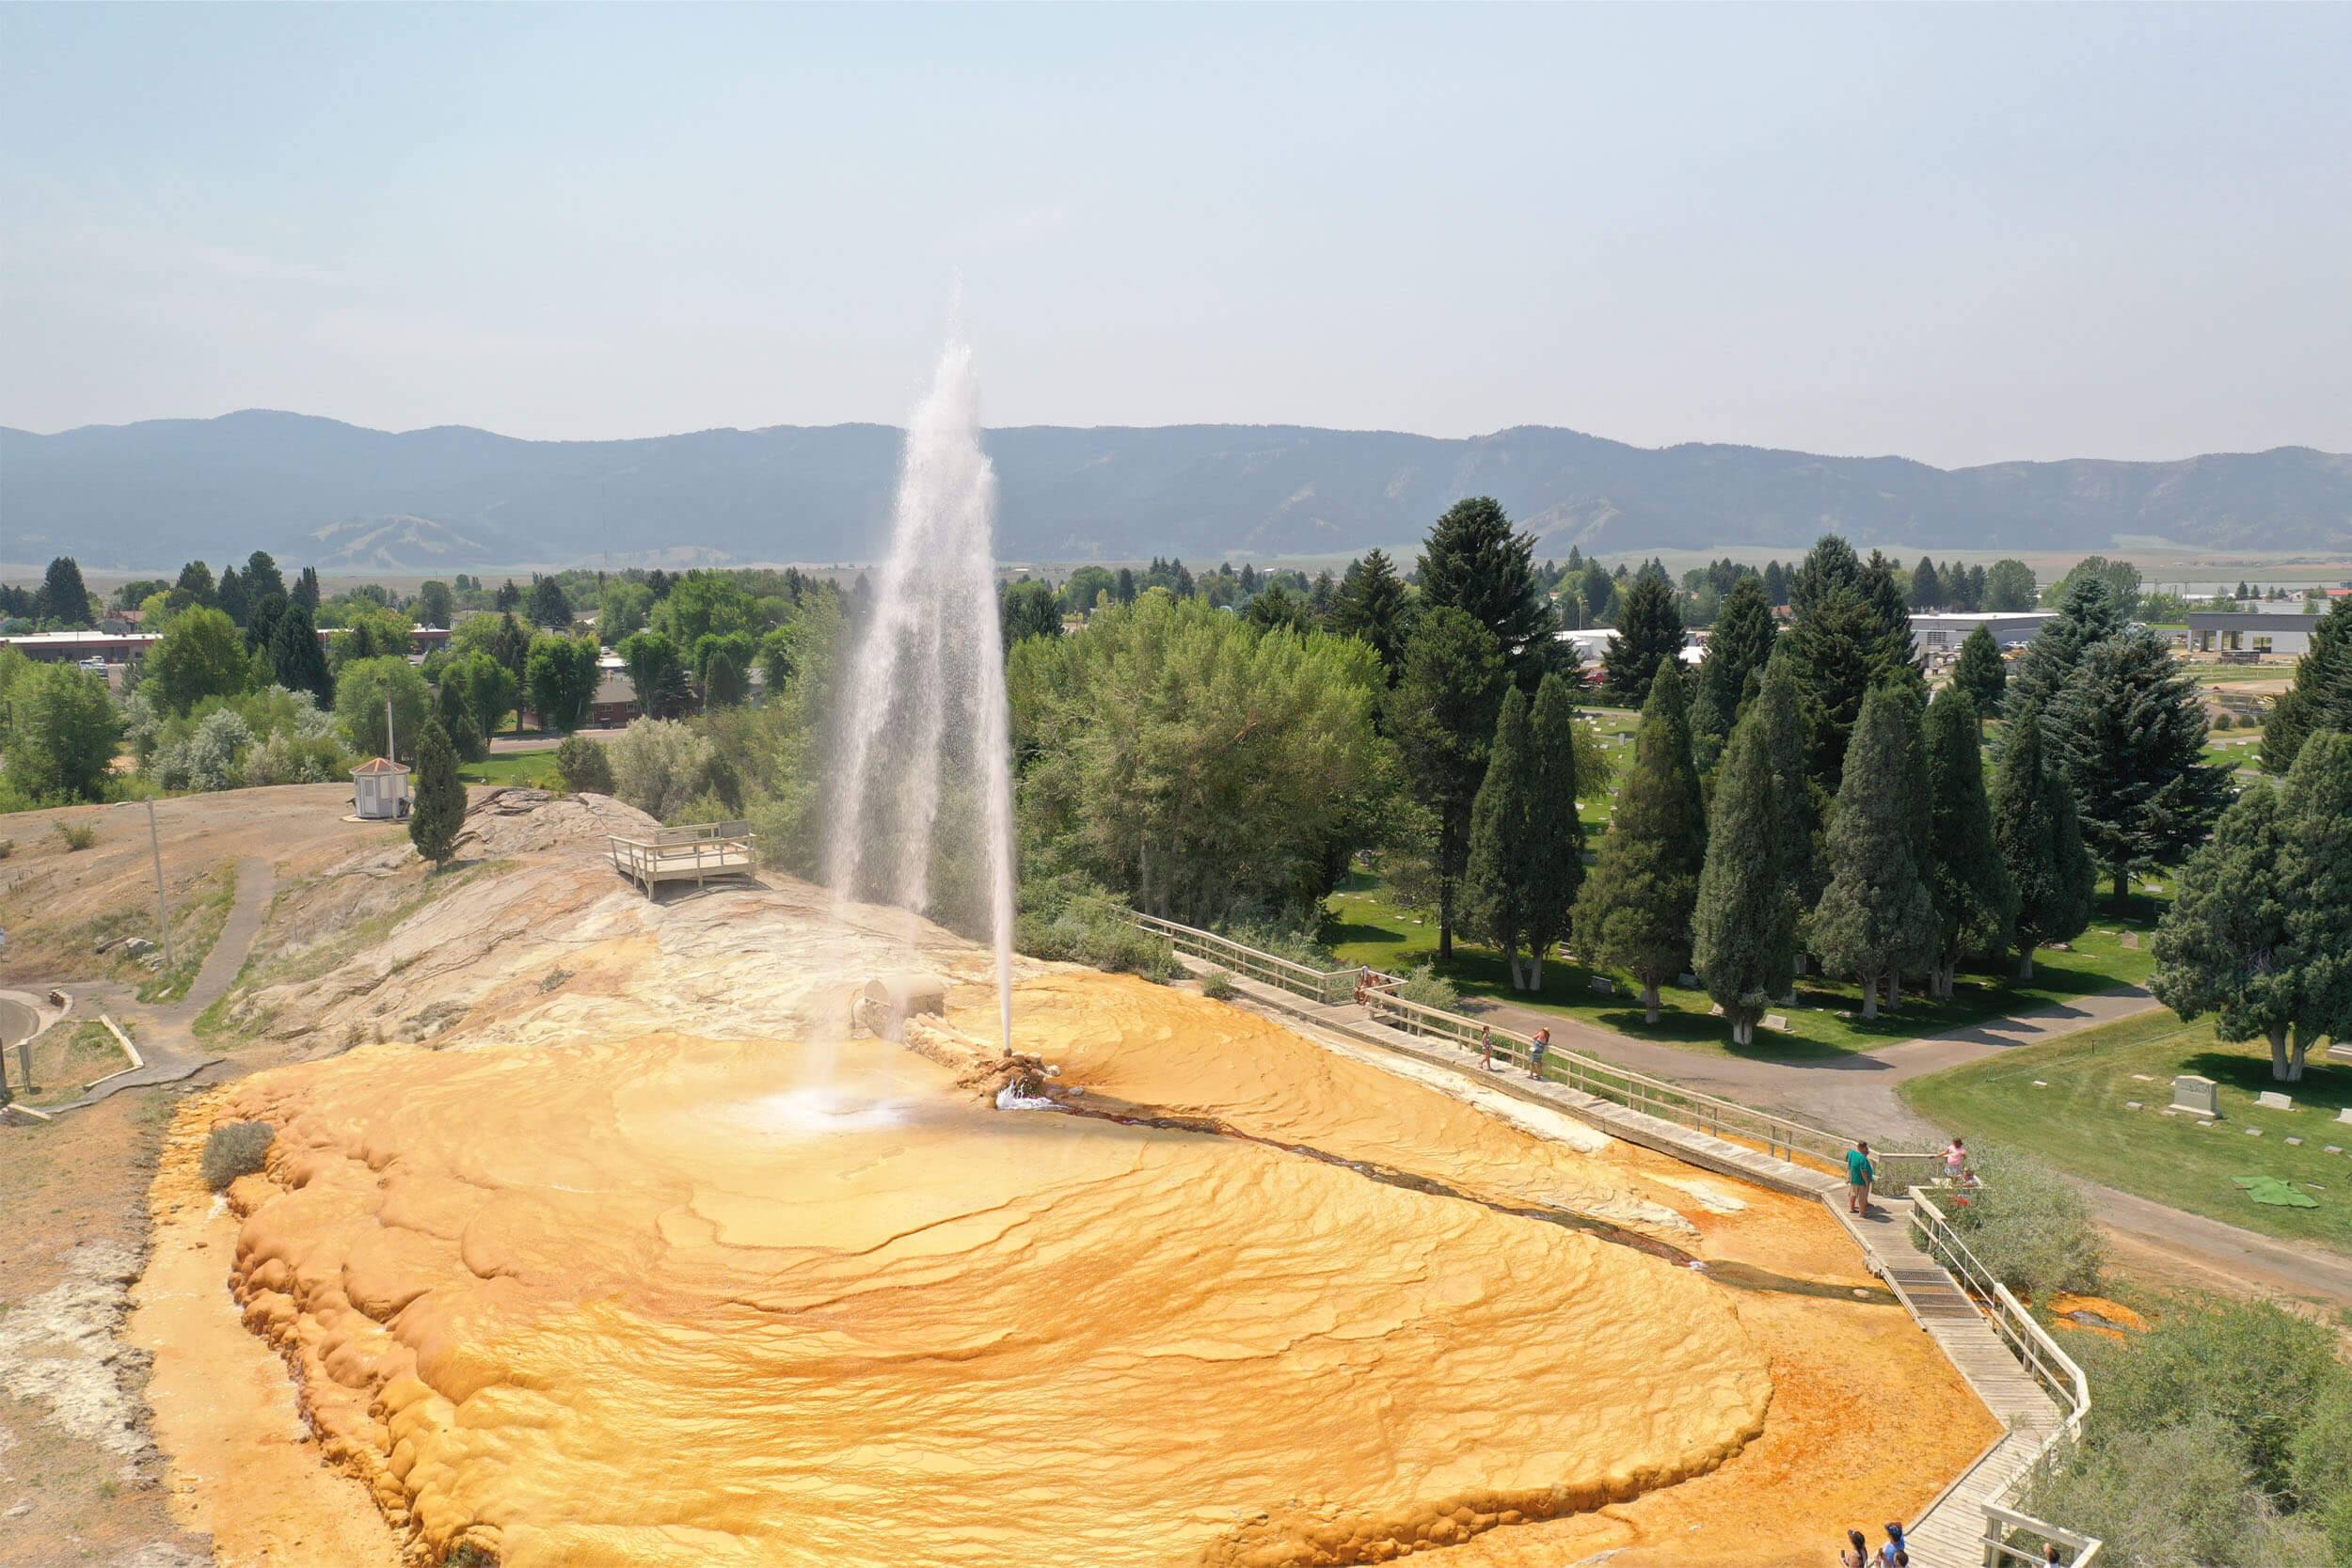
{"points": [[1951, 1533]]}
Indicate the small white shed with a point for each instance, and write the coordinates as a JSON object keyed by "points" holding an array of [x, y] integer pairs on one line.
{"points": [[379, 790]]}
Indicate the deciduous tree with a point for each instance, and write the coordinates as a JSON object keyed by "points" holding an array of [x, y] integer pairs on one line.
{"points": [[1029, 609], [203, 654], [63, 730], [2010, 587], [1634, 912], [562, 677]]}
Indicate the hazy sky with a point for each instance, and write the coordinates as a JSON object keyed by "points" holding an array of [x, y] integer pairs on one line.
{"points": [[1959, 234]]}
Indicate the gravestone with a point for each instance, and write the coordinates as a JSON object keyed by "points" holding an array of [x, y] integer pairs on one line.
{"points": [[2271, 1099], [2197, 1095], [2131, 939], [1775, 1021], [1686, 980], [2296, 1142], [1716, 1010], [1602, 985], [2345, 1114], [2131, 1105]]}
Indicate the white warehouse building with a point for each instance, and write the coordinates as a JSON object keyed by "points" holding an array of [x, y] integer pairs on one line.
{"points": [[1935, 632]]}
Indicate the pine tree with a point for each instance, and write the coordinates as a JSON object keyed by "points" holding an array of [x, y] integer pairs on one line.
{"points": [[2223, 946], [261, 577], [549, 606], [1744, 927], [306, 591], [1635, 911], [232, 597], [1598, 592], [723, 685], [438, 811], [2085, 617], [1474, 562], [1649, 639], [2321, 697], [1876, 913], [1442, 717], [1897, 652], [1981, 673], [1741, 643], [1494, 887], [2041, 843], [296, 660], [1553, 854], [1829, 565], [2129, 732], [63, 600], [1927, 586], [2315, 867], [1374, 603], [1976, 905]]}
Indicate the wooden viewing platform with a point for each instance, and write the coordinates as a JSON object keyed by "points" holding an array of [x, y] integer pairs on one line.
{"points": [[695, 854]]}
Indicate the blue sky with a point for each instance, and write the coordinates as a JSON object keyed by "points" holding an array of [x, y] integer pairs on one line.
{"points": [[1961, 234]]}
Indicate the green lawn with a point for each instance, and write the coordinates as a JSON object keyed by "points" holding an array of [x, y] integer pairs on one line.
{"points": [[536, 769], [1367, 927], [2080, 1121]]}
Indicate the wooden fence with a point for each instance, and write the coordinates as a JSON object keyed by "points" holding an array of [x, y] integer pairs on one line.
{"points": [[690, 854]]}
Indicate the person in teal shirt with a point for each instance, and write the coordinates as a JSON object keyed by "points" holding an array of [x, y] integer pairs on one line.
{"points": [[1859, 1175]]}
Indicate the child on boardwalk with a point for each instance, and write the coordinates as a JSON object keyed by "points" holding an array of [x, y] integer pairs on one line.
{"points": [[1535, 1052]]}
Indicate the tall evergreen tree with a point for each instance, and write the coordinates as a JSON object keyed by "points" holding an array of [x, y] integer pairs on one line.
{"points": [[1744, 926], [1787, 729], [1876, 913], [2041, 843], [1976, 904], [1494, 882], [457, 722], [1649, 639], [261, 622], [2223, 947], [724, 683], [1882, 587], [1373, 603], [1972, 599], [2321, 697], [2315, 867], [2085, 617], [232, 596], [1634, 912], [551, 606], [1775, 583], [1927, 586], [1473, 561], [63, 598], [296, 660], [1742, 640], [1553, 854], [1829, 565], [1126, 590], [2129, 732], [438, 814], [196, 582], [1442, 717], [1981, 673], [261, 577], [306, 591], [1599, 592]]}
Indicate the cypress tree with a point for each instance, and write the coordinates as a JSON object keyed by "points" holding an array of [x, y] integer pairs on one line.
{"points": [[1634, 912], [723, 685], [2321, 697], [1981, 673], [296, 660], [2085, 617], [1474, 562], [1927, 586], [1782, 701], [1650, 638], [232, 596], [2041, 843], [1742, 641], [2223, 946], [1745, 929], [439, 809], [306, 591], [1442, 717], [1553, 854], [2129, 731], [1494, 883], [1876, 913], [1976, 905], [458, 721]]}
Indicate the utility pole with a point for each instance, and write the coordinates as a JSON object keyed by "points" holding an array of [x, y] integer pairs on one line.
{"points": [[163, 912], [390, 756]]}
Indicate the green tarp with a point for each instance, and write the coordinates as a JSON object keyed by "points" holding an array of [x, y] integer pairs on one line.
{"points": [[2269, 1189]]}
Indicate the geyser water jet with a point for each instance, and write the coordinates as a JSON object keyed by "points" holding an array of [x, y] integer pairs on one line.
{"points": [[922, 809]]}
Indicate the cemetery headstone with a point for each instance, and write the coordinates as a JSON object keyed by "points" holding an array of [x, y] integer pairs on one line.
{"points": [[2271, 1099], [2199, 1096]]}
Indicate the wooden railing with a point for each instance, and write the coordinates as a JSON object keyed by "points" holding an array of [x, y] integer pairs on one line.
{"points": [[1781, 1136], [693, 853], [2012, 1537]]}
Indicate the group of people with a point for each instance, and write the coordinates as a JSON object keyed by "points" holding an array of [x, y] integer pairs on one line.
{"points": [[1857, 1553], [1861, 1170], [1536, 1049]]}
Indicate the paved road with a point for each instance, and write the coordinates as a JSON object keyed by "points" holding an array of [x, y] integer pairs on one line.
{"points": [[17, 1020]]}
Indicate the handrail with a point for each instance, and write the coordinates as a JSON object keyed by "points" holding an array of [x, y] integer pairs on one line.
{"points": [[1784, 1138], [2001, 1523]]}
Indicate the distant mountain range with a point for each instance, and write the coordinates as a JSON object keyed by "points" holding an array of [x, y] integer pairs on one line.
{"points": [[317, 491]]}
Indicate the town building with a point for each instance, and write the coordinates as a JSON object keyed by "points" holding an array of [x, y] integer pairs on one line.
{"points": [[1935, 632], [2241, 631]]}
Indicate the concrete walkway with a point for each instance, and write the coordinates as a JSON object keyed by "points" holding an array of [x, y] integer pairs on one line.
{"points": [[166, 1036]]}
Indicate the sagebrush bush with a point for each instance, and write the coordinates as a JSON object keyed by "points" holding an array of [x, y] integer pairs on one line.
{"points": [[1217, 985], [1284, 942], [1070, 917], [583, 767], [1428, 988], [77, 835], [2027, 1224], [235, 1148]]}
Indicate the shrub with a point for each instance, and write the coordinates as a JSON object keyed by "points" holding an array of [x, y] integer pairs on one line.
{"points": [[1284, 942], [1217, 985], [1429, 989], [235, 1148], [659, 765], [2225, 720], [77, 835], [583, 767], [2031, 1229], [1072, 918]]}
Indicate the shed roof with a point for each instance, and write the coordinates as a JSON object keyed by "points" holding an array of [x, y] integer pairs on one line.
{"points": [[380, 764]]}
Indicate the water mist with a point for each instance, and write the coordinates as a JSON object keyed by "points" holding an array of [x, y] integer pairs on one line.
{"points": [[922, 805]]}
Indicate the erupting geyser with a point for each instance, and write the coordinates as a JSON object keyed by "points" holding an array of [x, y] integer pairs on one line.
{"points": [[922, 811]]}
